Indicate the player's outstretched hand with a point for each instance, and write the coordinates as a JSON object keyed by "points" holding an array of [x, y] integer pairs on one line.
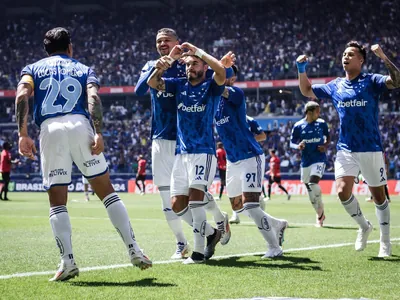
{"points": [[176, 52], [228, 60], [26, 147], [98, 144], [378, 51], [190, 49], [162, 63]]}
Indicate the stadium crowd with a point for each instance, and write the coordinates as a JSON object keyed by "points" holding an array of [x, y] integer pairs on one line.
{"points": [[127, 131], [266, 37]]}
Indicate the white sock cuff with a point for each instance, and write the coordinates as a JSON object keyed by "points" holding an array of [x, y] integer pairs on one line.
{"points": [[57, 210], [382, 206], [251, 205], [110, 199]]}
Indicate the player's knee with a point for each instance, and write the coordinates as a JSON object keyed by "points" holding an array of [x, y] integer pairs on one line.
{"points": [[179, 203], [251, 197]]}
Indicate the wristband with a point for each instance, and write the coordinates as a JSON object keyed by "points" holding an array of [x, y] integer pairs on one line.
{"points": [[169, 59], [199, 53], [302, 66]]}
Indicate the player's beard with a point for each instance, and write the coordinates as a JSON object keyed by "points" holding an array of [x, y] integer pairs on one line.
{"points": [[195, 75]]}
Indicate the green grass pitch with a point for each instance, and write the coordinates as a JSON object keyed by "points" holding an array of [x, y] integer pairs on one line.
{"points": [[318, 262]]}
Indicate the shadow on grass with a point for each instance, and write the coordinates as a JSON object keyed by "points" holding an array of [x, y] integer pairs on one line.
{"points": [[341, 227], [283, 262], [146, 282], [393, 259]]}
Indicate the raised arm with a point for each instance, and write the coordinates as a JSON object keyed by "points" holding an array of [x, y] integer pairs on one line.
{"points": [[26, 145], [215, 64], [393, 81], [141, 86], [304, 82], [155, 80]]}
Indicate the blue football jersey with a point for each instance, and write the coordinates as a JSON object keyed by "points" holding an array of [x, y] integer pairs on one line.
{"points": [[233, 127], [164, 118], [163, 122], [59, 87], [313, 134], [356, 102], [196, 107], [254, 126]]}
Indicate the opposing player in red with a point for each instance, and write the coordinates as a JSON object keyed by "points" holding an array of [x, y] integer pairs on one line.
{"points": [[275, 173], [5, 169], [221, 164], [141, 174]]}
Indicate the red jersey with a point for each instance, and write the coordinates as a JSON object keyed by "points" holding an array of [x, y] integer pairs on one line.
{"points": [[221, 158], [275, 166], [5, 163], [142, 167]]}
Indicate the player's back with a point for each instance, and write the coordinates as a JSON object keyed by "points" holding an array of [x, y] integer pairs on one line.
{"points": [[59, 87], [233, 127]]}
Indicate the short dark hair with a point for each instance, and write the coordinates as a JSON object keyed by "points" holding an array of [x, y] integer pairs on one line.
{"points": [[6, 146], [220, 145], [168, 31], [235, 69], [56, 39], [360, 48], [272, 151]]}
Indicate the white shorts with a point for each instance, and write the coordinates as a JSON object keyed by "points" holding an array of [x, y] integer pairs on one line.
{"points": [[64, 140], [84, 180], [245, 176], [162, 157], [316, 169], [192, 169], [371, 165]]}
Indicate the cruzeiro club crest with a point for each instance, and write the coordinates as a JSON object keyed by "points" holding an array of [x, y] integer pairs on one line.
{"points": [[60, 246]]}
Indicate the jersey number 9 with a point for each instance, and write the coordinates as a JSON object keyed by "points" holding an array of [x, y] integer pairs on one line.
{"points": [[69, 88]]}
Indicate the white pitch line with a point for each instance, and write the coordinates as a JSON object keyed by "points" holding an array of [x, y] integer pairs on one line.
{"points": [[163, 220], [161, 262]]}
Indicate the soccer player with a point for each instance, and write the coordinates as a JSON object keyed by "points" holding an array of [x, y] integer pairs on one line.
{"points": [[260, 136], [195, 162], [141, 174], [221, 165], [61, 87], [245, 167], [163, 134], [275, 173], [5, 169], [311, 136], [356, 98]]}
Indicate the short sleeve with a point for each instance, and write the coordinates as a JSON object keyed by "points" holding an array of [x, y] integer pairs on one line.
{"points": [[254, 126], [295, 136], [236, 95], [323, 91], [216, 90], [325, 129], [379, 82], [27, 71], [92, 77]]}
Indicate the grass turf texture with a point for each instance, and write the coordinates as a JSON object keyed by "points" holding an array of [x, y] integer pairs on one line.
{"points": [[27, 245]]}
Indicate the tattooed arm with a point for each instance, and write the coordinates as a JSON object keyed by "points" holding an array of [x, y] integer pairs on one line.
{"points": [[96, 113], [156, 81], [26, 145], [95, 106], [393, 81]]}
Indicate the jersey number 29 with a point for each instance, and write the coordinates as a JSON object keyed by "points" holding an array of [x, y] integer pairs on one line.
{"points": [[69, 88]]}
